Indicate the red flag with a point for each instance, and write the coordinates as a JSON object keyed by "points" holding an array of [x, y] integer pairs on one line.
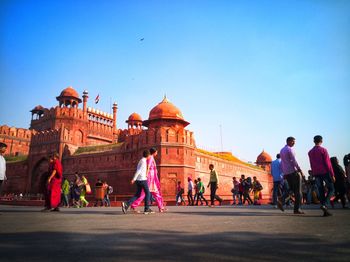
{"points": [[97, 98]]}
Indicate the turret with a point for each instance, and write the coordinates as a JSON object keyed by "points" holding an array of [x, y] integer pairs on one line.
{"points": [[85, 98], [115, 107]]}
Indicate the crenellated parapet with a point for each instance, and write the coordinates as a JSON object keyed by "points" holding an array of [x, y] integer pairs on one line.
{"points": [[45, 142], [98, 116], [44, 137], [53, 117], [14, 132], [16, 139]]}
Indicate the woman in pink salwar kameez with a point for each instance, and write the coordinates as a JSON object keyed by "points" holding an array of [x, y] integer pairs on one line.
{"points": [[153, 183]]}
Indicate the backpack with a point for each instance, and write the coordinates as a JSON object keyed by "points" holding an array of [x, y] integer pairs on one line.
{"points": [[109, 190]]}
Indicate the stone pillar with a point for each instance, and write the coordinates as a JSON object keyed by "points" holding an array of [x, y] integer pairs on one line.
{"points": [[115, 107], [85, 98]]}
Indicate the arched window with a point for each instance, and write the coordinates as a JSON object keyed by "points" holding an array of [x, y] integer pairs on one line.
{"points": [[167, 136]]}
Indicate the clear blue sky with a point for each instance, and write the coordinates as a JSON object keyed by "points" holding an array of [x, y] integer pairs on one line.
{"points": [[263, 70]]}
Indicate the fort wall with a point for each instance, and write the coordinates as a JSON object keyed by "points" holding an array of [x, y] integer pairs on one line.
{"points": [[16, 139]]}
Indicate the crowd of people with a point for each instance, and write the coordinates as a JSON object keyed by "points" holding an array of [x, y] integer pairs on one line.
{"points": [[327, 184], [241, 191], [74, 193], [326, 179]]}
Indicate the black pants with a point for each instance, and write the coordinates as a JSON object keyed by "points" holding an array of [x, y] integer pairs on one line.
{"points": [[200, 197], [294, 182], [190, 198], [213, 195], [246, 197]]}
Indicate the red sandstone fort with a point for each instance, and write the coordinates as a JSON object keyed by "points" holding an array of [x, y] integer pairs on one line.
{"points": [[89, 142]]}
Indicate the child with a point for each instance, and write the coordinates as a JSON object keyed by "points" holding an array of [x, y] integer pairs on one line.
{"points": [[179, 192]]}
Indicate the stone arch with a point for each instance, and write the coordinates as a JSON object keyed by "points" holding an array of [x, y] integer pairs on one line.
{"points": [[79, 136], [39, 176]]}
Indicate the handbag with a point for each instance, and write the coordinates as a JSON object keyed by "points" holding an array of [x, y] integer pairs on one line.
{"points": [[88, 188]]}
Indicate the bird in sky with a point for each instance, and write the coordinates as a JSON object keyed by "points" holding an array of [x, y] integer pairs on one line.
{"points": [[142, 39]]}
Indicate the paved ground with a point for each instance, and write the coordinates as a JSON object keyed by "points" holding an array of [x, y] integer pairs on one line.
{"points": [[183, 234]]}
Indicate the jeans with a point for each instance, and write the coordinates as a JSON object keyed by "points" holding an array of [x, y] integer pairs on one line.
{"points": [[179, 196], [65, 200], [326, 178], [143, 184], [235, 196], [276, 191], [200, 197], [107, 201], [294, 182]]}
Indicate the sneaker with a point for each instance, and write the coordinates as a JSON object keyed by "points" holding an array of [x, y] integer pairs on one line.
{"points": [[55, 209], [323, 208], [148, 211], [299, 212], [325, 211], [124, 207]]}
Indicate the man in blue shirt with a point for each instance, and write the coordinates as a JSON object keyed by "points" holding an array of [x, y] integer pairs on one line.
{"points": [[276, 172]]}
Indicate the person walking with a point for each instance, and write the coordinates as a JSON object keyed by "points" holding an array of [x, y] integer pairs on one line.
{"points": [[54, 182], [140, 177], [83, 201], [235, 191], [153, 183], [247, 187], [108, 191], [200, 188], [179, 192], [340, 182], [257, 188], [241, 190], [346, 161], [190, 192], [65, 192], [3, 148], [277, 175], [292, 173], [322, 170], [196, 189], [214, 185]]}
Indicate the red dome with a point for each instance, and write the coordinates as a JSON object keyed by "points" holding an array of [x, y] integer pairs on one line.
{"points": [[264, 158], [37, 108], [134, 117], [69, 92], [165, 109]]}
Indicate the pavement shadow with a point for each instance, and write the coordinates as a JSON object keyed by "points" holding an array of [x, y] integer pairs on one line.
{"points": [[168, 246]]}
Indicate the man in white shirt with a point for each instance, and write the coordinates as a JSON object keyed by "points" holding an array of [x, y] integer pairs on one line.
{"points": [[140, 178], [3, 148]]}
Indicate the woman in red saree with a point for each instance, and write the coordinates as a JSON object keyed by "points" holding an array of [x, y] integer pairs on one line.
{"points": [[53, 197]]}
